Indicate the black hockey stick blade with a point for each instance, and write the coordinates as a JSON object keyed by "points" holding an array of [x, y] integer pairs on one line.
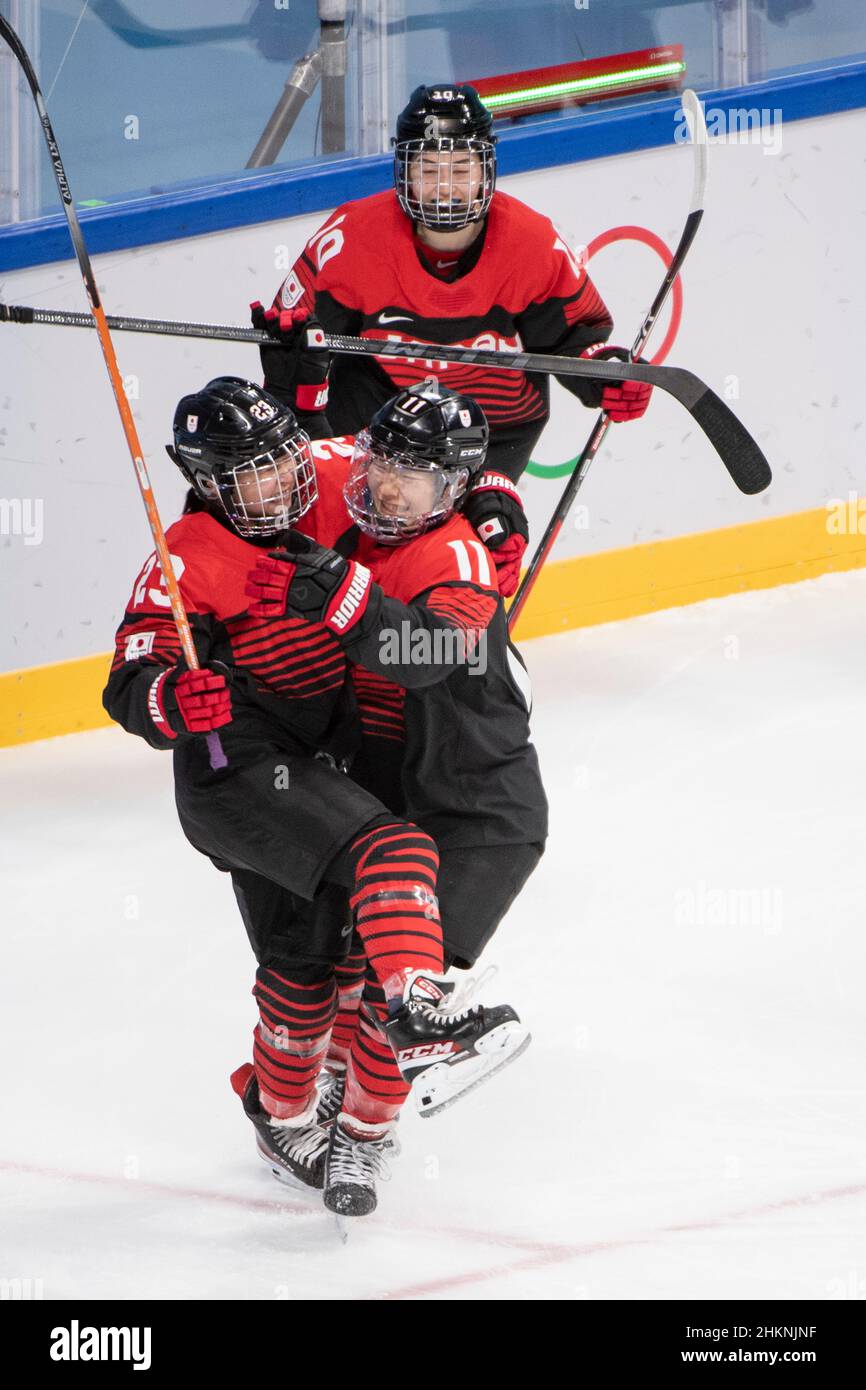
{"points": [[729, 437], [732, 442]]}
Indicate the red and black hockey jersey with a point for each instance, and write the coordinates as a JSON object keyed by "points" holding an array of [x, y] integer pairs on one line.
{"points": [[433, 672], [443, 695], [288, 676], [362, 274], [468, 771]]}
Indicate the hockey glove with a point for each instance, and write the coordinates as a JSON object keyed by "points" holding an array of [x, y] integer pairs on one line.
{"points": [[296, 366], [304, 580], [495, 508], [190, 702], [621, 400]]}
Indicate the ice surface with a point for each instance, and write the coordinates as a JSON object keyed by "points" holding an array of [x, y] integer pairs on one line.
{"points": [[690, 1120]]}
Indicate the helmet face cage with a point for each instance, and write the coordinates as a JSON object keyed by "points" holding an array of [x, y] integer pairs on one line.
{"points": [[269, 493], [394, 528], [445, 183]]}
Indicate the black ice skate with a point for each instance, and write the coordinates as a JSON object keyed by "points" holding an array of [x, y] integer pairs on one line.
{"points": [[294, 1154], [352, 1167], [445, 1049]]}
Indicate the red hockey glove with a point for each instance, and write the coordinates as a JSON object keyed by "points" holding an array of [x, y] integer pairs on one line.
{"points": [[268, 584], [190, 702], [304, 580], [495, 508], [622, 400], [508, 559], [296, 367]]}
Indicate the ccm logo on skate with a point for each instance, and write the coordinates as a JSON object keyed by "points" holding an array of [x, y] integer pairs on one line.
{"points": [[355, 595], [415, 1054]]}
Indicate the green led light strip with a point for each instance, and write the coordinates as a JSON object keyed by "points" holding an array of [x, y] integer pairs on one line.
{"points": [[583, 84]]}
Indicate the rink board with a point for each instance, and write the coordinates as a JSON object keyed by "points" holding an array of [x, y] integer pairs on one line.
{"points": [[65, 697]]}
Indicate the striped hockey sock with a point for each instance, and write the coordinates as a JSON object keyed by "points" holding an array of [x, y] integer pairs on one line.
{"points": [[394, 903], [291, 1039], [375, 1089]]}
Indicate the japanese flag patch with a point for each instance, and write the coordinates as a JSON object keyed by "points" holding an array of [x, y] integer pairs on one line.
{"points": [[139, 644], [292, 291]]}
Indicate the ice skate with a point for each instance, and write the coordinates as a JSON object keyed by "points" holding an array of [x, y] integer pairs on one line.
{"points": [[444, 1047], [295, 1154], [354, 1162]]}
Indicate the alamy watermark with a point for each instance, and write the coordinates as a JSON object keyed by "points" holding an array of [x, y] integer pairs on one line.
{"points": [[77, 1343], [443, 646], [21, 1290], [846, 518], [738, 125], [705, 906], [22, 516]]}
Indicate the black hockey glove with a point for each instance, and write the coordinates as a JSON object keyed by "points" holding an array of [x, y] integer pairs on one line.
{"points": [[495, 508], [296, 367], [304, 580]]}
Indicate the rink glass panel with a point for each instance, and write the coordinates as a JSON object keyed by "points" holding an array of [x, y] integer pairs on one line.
{"points": [[151, 96]]}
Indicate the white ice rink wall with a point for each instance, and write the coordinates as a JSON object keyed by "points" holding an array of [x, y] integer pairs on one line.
{"points": [[775, 297]]}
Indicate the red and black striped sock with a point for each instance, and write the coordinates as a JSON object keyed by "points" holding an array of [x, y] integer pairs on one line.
{"points": [[394, 902], [350, 985], [291, 1038], [375, 1089]]}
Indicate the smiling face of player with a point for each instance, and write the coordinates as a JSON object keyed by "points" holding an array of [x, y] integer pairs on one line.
{"points": [[272, 492], [266, 490], [447, 183], [399, 491]]}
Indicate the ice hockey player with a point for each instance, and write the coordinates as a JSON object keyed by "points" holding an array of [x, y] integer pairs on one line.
{"points": [[448, 260], [281, 818], [446, 740]]}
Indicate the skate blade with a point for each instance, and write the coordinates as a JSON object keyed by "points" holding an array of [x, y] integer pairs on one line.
{"points": [[435, 1107], [343, 1228]]}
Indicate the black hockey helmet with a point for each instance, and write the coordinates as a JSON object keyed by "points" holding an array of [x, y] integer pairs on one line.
{"points": [[445, 157], [240, 447], [413, 463]]}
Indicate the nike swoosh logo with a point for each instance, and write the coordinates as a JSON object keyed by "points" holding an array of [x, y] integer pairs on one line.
{"points": [[347, 929], [445, 265], [393, 318]]}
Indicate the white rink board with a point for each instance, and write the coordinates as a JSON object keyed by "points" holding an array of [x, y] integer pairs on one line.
{"points": [[774, 295], [690, 1120]]}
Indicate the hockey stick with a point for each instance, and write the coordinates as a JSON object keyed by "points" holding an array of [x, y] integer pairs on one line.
{"points": [[698, 127], [217, 756], [735, 446]]}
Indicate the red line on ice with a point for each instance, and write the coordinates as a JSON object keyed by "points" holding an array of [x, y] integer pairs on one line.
{"points": [[132, 1185], [161, 1189], [557, 1254], [540, 1253]]}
